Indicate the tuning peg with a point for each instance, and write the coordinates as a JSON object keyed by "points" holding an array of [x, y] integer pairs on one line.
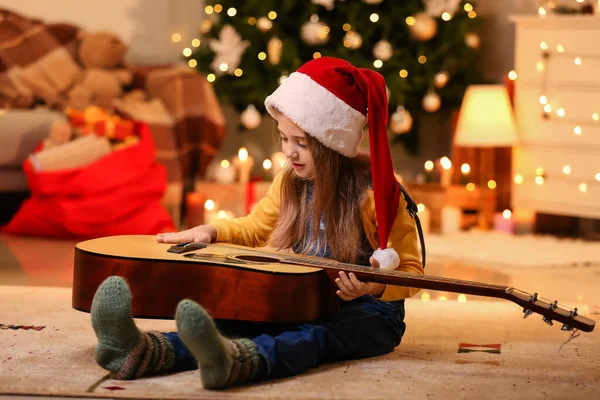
{"points": [[566, 327], [527, 312], [548, 321]]}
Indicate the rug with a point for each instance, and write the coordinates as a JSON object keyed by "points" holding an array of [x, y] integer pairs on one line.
{"points": [[477, 349], [504, 250]]}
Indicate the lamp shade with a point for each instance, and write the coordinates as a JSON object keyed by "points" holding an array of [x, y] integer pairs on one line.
{"points": [[486, 118]]}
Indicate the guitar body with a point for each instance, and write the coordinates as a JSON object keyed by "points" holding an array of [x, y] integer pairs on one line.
{"points": [[231, 282]]}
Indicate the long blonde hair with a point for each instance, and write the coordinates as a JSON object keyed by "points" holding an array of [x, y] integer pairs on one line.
{"points": [[338, 189]]}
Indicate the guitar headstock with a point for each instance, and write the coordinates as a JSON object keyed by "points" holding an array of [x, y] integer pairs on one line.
{"points": [[550, 311]]}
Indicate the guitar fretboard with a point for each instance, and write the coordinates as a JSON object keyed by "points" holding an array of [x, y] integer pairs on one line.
{"points": [[400, 278]]}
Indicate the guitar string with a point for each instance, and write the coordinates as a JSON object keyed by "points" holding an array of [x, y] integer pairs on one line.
{"points": [[574, 334]]}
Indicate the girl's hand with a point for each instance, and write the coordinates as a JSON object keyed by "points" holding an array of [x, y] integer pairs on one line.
{"points": [[201, 233], [351, 288]]}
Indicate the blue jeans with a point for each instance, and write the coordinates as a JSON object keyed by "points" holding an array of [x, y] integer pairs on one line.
{"points": [[364, 327]]}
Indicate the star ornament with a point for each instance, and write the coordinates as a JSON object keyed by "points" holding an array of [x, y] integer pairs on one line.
{"points": [[228, 50]]}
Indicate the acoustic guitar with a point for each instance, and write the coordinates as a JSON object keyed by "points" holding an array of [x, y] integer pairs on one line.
{"points": [[255, 284]]}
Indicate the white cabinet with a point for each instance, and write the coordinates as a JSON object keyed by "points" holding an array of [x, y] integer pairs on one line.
{"points": [[557, 60]]}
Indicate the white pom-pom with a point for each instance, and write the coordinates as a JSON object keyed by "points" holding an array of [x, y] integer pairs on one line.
{"points": [[388, 258]]}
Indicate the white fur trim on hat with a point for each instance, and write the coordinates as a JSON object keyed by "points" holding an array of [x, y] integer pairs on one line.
{"points": [[319, 113], [388, 258]]}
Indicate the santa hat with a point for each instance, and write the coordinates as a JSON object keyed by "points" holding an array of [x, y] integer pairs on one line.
{"points": [[328, 98]]}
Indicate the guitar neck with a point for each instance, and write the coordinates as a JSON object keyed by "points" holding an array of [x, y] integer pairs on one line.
{"points": [[399, 278]]}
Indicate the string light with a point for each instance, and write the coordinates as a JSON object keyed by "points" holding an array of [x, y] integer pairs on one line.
{"points": [[316, 54], [468, 7], [238, 72], [577, 130], [196, 42], [272, 15], [577, 61], [422, 59], [403, 73], [512, 75], [542, 11], [472, 14], [209, 9], [543, 99], [420, 207], [560, 48], [176, 37], [377, 63], [193, 63], [346, 27], [470, 187], [544, 46], [218, 8], [446, 16], [374, 17], [560, 112], [262, 56], [567, 169], [492, 184], [411, 21], [251, 21], [583, 187], [223, 67], [518, 179], [231, 12], [210, 77], [187, 52]]}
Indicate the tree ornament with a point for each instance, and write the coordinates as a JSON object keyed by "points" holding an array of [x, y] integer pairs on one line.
{"points": [[264, 24], [228, 50], [250, 117], [352, 40], [441, 79], [424, 27], [372, 1], [382, 50], [431, 101], [401, 120], [472, 40], [314, 32], [274, 49], [436, 8], [328, 4]]}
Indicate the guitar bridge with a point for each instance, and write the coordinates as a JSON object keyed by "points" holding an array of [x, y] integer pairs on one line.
{"points": [[186, 247]]}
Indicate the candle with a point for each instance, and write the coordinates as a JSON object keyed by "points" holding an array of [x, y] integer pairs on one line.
{"points": [[209, 206], [225, 173], [451, 220], [503, 222], [243, 164], [524, 221], [428, 171], [194, 209], [465, 169], [424, 217], [222, 214], [267, 165], [446, 171], [278, 161]]}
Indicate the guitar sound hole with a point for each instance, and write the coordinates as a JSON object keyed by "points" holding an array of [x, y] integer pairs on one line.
{"points": [[256, 259]]}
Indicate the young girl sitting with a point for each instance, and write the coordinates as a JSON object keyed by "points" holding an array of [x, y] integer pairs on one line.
{"points": [[331, 202]]}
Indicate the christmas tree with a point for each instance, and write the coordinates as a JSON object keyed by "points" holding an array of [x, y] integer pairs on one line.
{"points": [[426, 49]]}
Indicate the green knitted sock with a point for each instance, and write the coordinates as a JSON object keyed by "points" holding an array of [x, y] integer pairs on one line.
{"points": [[223, 362], [122, 348]]}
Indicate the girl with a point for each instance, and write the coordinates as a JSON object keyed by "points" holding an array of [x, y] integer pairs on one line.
{"points": [[331, 202]]}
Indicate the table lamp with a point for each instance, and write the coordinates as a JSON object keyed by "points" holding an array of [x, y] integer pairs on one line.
{"points": [[486, 121]]}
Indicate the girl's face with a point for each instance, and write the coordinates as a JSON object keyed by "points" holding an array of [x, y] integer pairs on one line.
{"points": [[295, 147]]}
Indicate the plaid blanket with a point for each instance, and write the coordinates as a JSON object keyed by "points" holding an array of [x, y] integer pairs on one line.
{"points": [[38, 64], [37, 61]]}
